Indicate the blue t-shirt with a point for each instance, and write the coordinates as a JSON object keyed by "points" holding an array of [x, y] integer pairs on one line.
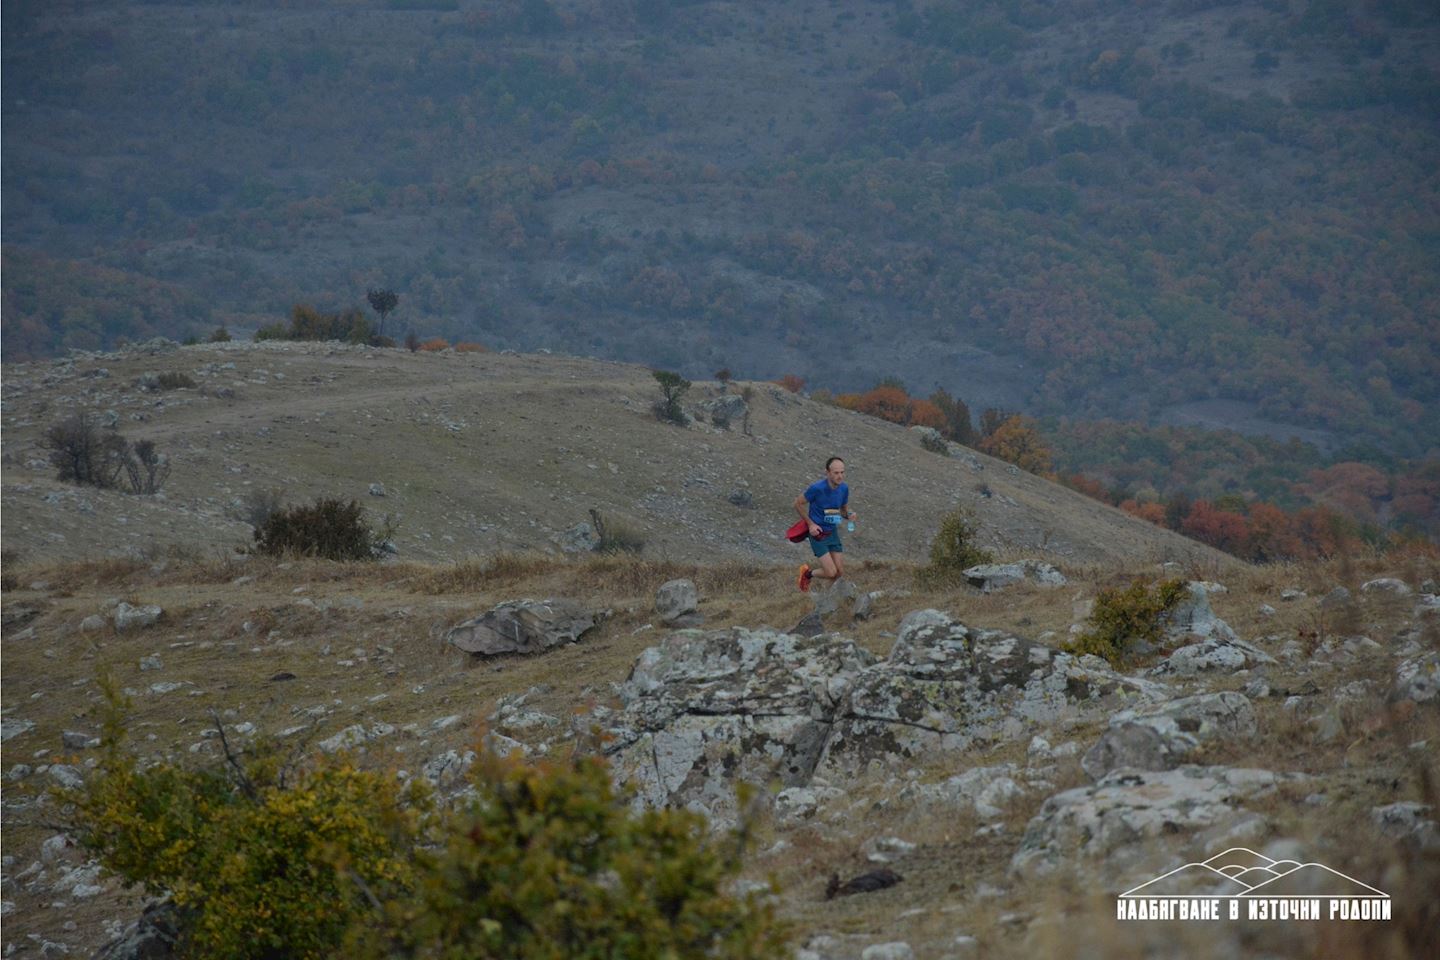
{"points": [[826, 504]]}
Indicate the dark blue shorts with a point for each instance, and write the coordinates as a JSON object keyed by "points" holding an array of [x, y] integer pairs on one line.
{"points": [[830, 544]]}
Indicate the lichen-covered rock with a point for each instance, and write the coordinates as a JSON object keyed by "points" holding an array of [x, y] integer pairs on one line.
{"points": [[1117, 822], [1418, 679], [134, 618], [1157, 737], [1194, 616], [1212, 653], [522, 626], [990, 577], [703, 709], [946, 687], [1390, 585], [677, 601]]}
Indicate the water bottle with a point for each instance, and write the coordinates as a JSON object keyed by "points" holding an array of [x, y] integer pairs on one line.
{"points": [[850, 526]]}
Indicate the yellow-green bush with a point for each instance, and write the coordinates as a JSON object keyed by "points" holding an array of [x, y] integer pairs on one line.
{"points": [[263, 861], [1124, 616], [548, 864], [267, 860]]}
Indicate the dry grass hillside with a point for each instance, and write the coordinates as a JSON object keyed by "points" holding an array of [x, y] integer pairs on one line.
{"points": [[484, 453]]}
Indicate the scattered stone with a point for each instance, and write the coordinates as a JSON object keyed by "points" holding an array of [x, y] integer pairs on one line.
{"points": [[355, 736], [724, 410], [93, 623], [1132, 746], [377, 489], [1389, 585], [10, 728], [1266, 610], [134, 618], [864, 607], [742, 498], [1407, 821], [1292, 593], [1212, 653], [66, 776], [899, 950], [155, 936], [677, 603], [78, 740], [448, 768], [1418, 678], [580, 538], [795, 805], [810, 625], [522, 626], [867, 882], [151, 662], [829, 601], [1335, 599]]}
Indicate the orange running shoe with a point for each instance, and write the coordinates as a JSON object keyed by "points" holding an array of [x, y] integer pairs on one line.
{"points": [[803, 580]]}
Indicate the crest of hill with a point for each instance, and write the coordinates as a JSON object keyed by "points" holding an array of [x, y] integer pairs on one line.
{"points": [[482, 453]]}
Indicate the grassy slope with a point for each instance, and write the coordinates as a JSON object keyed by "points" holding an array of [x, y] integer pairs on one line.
{"points": [[484, 453]]}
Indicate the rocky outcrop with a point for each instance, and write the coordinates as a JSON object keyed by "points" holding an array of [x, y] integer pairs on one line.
{"points": [[946, 687], [1119, 822], [522, 626], [704, 709]]}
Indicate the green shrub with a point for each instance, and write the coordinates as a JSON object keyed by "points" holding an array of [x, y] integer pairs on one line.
{"points": [[548, 863], [265, 860], [220, 335], [672, 388], [954, 549], [328, 528], [1124, 616], [261, 860]]}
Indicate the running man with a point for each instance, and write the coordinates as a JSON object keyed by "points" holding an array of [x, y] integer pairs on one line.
{"points": [[823, 505]]}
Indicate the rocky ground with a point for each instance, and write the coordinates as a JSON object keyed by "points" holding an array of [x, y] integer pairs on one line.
{"points": [[972, 789]]}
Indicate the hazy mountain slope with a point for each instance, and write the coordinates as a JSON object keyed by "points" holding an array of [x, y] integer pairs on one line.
{"points": [[485, 453], [1149, 206]]}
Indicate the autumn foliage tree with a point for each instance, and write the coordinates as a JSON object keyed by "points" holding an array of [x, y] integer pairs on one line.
{"points": [[1017, 440]]}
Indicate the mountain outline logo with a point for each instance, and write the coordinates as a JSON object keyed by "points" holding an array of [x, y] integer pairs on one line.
{"points": [[1257, 886]]}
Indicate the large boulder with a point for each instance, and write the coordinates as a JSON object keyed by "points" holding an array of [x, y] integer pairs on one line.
{"points": [[677, 602], [703, 709], [135, 618], [522, 626], [1418, 678], [990, 577], [1158, 736], [1193, 616], [1212, 653], [1119, 824]]}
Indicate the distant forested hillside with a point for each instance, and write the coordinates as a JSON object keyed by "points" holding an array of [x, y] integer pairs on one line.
{"points": [[1079, 208]]}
